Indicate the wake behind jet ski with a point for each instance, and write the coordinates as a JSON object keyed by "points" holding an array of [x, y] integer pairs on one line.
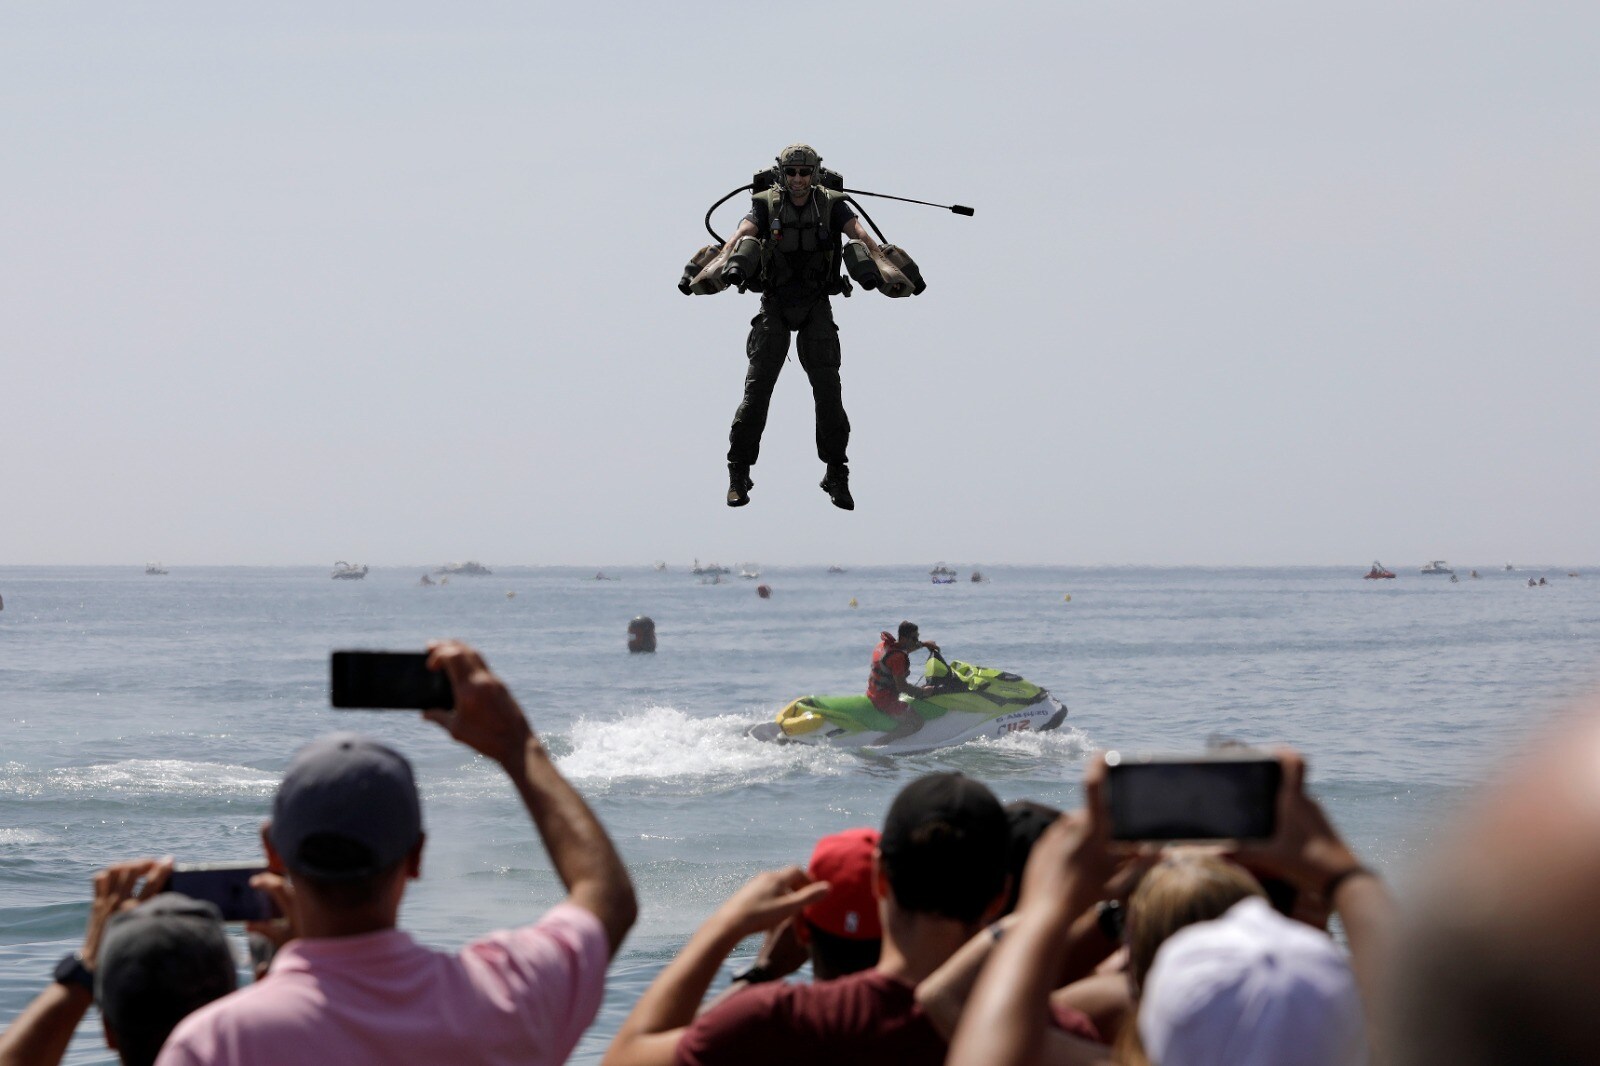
{"points": [[787, 248]]}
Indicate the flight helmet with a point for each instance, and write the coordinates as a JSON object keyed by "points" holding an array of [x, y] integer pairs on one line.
{"points": [[798, 155]]}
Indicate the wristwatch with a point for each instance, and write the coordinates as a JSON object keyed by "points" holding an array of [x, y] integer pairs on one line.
{"points": [[755, 975], [71, 972], [1109, 916]]}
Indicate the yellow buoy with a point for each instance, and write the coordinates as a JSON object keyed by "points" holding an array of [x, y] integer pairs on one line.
{"points": [[1067, 598], [853, 602]]}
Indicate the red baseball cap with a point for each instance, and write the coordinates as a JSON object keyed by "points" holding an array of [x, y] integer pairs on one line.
{"points": [[849, 910]]}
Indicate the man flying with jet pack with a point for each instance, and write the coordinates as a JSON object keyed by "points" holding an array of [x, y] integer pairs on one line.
{"points": [[788, 249]]}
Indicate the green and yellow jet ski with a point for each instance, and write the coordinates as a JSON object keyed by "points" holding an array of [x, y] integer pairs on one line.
{"points": [[973, 701]]}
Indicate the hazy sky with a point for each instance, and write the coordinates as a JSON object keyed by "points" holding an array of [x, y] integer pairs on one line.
{"points": [[1247, 283]]}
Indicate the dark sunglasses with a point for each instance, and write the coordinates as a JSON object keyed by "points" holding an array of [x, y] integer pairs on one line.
{"points": [[800, 172]]}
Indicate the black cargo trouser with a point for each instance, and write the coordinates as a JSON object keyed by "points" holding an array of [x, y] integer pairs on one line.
{"points": [[768, 347]]}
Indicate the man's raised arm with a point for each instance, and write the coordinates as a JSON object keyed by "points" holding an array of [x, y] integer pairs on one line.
{"points": [[488, 719]]}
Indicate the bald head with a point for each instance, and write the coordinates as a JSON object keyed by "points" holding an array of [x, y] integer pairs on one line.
{"points": [[1498, 959]]}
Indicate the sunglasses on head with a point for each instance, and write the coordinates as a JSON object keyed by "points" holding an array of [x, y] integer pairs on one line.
{"points": [[801, 172]]}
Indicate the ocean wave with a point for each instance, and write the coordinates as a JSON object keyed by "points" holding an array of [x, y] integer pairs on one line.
{"points": [[1066, 741], [144, 777], [23, 837]]}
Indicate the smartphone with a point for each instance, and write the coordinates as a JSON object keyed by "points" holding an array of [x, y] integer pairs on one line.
{"points": [[1214, 797], [228, 886], [388, 680]]}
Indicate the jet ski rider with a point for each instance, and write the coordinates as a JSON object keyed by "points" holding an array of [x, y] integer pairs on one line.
{"points": [[891, 666]]}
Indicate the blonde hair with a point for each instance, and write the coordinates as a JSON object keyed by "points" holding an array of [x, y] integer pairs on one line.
{"points": [[1188, 885]]}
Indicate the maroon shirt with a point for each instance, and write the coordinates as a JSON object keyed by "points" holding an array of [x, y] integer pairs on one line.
{"points": [[866, 1018]]}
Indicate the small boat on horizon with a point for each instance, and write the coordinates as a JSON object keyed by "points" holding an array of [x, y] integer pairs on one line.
{"points": [[1378, 571], [155, 569], [469, 568], [1437, 566], [343, 571]]}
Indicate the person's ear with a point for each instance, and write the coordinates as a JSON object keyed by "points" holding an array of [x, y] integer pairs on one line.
{"points": [[274, 860], [414, 858], [997, 905]]}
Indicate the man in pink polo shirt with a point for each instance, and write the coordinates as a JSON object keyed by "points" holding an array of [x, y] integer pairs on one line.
{"points": [[352, 988]]}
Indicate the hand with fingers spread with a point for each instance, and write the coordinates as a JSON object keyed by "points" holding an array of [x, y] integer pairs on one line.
{"points": [[120, 887], [649, 1036], [767, 899]]}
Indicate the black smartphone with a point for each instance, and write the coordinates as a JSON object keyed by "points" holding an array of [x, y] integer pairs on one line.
{"points": [[388, 680], [1216, 797], [228, 886]]}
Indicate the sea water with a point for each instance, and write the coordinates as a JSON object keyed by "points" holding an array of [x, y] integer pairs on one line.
{"points": [[152, 715]]}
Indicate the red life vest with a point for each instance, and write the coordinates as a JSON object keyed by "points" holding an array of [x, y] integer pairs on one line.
{"points": [[881, 689]]}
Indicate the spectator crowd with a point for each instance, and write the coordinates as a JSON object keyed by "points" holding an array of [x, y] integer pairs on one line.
{"points": [[958, 931]]}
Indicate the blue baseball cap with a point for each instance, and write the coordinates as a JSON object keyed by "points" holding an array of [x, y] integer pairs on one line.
{"points": [[347, 808]]}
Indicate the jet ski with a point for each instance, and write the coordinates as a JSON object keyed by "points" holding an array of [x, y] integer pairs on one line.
{"points": [[973, 701]]}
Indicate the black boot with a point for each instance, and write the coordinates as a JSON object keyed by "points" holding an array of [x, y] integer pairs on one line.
{"points": [[837, 486], [739, 484]]}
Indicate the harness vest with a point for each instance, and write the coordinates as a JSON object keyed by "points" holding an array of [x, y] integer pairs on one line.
{"points": [[881, 688], [798, 248]]}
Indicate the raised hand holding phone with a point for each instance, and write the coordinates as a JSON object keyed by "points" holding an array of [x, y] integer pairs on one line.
{"points": [[484, 715]]}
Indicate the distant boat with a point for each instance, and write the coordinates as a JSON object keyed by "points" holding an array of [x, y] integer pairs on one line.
{"points": [[343, 571], [942, 571], [749, 570], [1437, 566], [467, 569], [949, 580], [1378, 570], [977, 577], [837, 570], [661, 564], [710, 568], [154, 568], [1510, 567]]}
